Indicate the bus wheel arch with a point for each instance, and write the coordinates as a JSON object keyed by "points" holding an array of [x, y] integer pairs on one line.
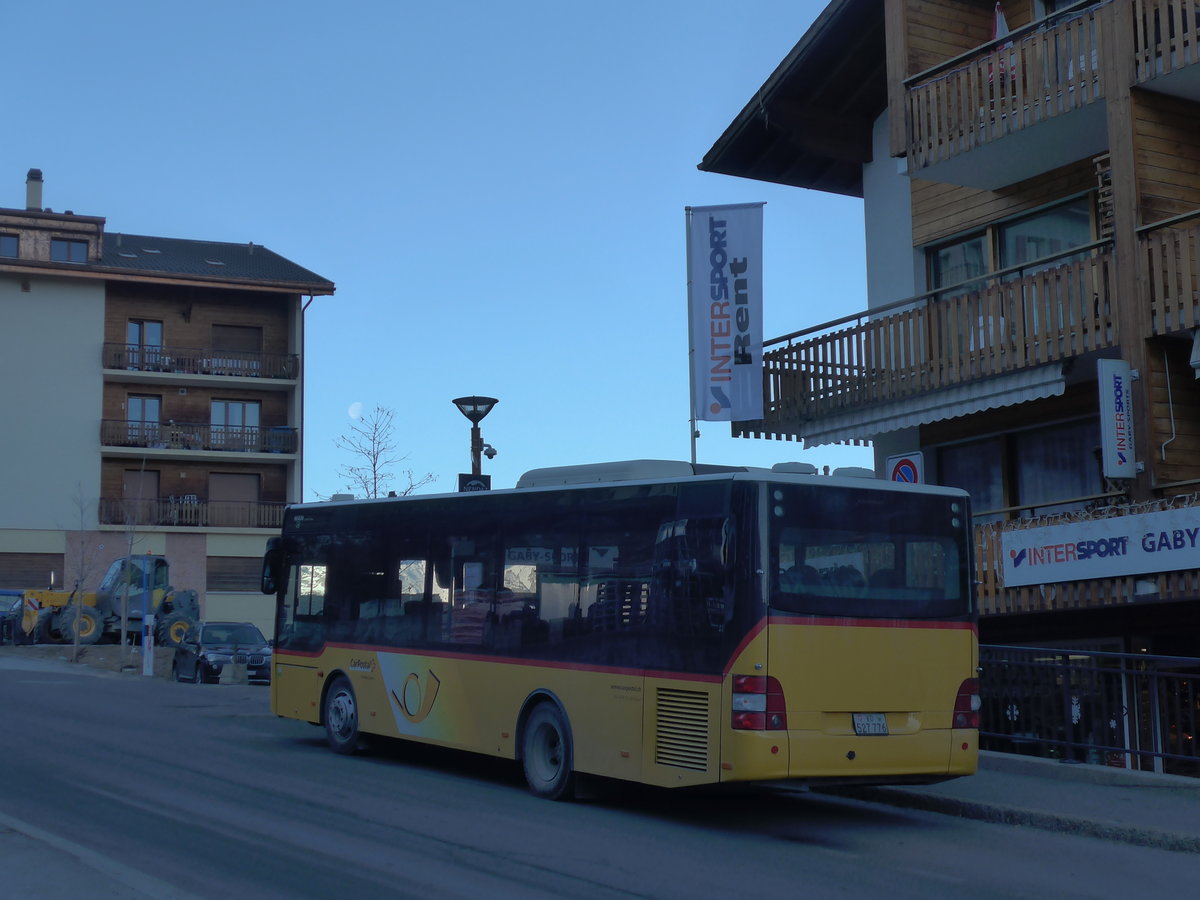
{"points": [[339, 714], [546, 747]]}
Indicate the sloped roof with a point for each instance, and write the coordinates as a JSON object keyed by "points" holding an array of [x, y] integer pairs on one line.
{"points": [[208, 259], [810, 124]]}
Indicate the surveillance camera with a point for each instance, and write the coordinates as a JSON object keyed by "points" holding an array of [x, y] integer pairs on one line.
{"points": [[489, 451]]}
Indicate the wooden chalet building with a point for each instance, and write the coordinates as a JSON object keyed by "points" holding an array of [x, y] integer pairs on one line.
{"points": [[1031, 182]]}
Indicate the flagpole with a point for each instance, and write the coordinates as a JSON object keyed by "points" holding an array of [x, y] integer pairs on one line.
{"points": [[692, 432]]}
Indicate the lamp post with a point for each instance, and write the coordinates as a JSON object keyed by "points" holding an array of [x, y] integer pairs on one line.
{"points": [[475, 408]]}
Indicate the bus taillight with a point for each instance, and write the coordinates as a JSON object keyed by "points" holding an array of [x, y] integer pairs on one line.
{"points": [[966, 705], [758, 704]]}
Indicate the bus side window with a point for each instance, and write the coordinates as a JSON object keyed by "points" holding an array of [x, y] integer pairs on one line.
{"points": [[303, 627]]}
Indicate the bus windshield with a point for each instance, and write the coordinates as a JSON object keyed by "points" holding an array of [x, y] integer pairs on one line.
{"points": [[860, 553]]}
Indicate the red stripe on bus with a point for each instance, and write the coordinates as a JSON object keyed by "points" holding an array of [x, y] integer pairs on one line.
{"points": [[854, 622], [508, 660]]}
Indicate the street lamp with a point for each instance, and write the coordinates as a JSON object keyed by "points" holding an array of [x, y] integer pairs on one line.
{"points": [[475, 408]]}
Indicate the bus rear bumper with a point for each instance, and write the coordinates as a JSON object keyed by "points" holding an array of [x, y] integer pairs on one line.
{"points": [[923, 757]]}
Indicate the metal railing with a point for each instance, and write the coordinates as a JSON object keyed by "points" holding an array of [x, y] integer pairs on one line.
{"points": [[188, 510], [1130, 710], [200, 361], [197, 436]]}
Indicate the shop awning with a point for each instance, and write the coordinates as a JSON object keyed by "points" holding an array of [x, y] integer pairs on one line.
{"points": [[961, 400]]}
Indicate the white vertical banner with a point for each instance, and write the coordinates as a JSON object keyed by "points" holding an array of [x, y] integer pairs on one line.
{"points": [[1116, 419], [724, 249]]}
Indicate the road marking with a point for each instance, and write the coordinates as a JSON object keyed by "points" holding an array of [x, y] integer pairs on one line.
{"points": [[126, 875]]}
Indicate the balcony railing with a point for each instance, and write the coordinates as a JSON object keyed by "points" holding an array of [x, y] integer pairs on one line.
{"points": [[1018, 318], [1036, 73], [188, 510], [1170, 251], [197, 436], [200, 361], [1166, 35]]}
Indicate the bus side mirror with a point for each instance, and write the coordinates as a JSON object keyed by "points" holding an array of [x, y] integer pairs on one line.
{"points": [[274, 573]]}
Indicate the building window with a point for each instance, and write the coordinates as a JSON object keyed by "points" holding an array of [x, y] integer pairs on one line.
{"points": [[233, 499], [143, 414], [237, 349], [9, 244], [960, 263], [63, 250], [1018, 247], [143, 345], [1033, 472], [235, 424], [1046, 233]]}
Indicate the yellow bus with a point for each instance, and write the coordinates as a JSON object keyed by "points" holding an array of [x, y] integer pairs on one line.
{"points": [[652, 621]]}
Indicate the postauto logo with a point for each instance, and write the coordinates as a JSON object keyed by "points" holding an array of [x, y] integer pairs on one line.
{"points": [[1049, 554]]}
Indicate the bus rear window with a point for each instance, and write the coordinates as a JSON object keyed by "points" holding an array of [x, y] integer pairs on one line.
{"points": [[862, 553]]}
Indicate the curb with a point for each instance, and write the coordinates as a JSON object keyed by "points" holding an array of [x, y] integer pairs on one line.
{"points": [[1010, 815]]}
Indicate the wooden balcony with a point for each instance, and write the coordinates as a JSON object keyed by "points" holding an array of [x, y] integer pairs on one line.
{"points": [[1016, 319], [190, 511], [1043, 83], [1170, 251], [194, 436], [1166, 35], [200, 361], [1031, 76]]}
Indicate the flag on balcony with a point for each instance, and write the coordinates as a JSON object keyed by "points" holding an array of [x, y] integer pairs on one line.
{"points": [[1000, 25], [999, 30], [724, 250]]}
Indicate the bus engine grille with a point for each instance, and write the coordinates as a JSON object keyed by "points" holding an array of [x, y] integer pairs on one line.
{"points": [[681, 738]]}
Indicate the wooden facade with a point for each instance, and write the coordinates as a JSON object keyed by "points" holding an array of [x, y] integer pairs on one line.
{"points": [[1097, 104]]}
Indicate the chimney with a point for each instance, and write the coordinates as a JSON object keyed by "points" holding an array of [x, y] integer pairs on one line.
{"points": [[33, 190]]}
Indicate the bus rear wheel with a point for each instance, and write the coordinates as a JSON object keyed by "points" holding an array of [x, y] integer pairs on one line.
{"points": [[547, 755], [340, 715]]}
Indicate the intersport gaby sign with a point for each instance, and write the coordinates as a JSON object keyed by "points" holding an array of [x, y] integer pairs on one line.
{"points": [[1164, 541]]}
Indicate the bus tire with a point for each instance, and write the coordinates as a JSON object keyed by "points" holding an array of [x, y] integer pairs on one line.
{"points": [[546, 753], [339, 714]]}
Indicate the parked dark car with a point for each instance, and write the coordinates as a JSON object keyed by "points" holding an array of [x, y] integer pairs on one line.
{"points": [[211, 646]]}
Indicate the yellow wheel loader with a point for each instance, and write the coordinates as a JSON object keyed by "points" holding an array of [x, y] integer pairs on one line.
{"points": [[137, 585]]}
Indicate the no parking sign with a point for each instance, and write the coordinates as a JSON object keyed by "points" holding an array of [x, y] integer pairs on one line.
{"points": [[908, 467]]}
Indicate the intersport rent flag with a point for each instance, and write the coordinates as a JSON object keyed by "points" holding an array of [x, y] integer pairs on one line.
{"points": [[724, 246]]}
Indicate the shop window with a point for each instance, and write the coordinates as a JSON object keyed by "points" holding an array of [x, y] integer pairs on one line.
{"points": [[1033, 472]]}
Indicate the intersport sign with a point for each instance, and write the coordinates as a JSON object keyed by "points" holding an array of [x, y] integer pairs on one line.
{"points": [[1164, 541]]}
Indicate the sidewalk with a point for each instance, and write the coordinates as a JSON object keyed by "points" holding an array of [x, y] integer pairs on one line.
{"points": [[1140, 808]]}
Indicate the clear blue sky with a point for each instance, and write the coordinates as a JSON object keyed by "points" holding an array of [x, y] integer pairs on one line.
{"points": [[496, 188]]}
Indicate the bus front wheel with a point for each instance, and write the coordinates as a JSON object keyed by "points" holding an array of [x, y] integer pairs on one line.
{"points": [[546, 753], [340, 715]]}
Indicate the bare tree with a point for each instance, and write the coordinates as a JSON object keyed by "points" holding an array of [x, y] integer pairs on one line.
{"points": [[85, 559], [371, 442]]}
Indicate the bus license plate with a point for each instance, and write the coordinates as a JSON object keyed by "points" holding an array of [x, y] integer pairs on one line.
{"points": [[870, 723]]}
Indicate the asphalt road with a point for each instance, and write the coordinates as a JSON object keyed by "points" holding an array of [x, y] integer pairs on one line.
{"points": [[123, 786]]}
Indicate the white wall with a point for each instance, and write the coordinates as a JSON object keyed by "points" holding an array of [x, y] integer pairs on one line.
{"points": [[50, 345], [894, 269]]}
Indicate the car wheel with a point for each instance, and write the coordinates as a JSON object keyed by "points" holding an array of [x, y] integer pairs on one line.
{"points": [[546, 753], [340, 716]]}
